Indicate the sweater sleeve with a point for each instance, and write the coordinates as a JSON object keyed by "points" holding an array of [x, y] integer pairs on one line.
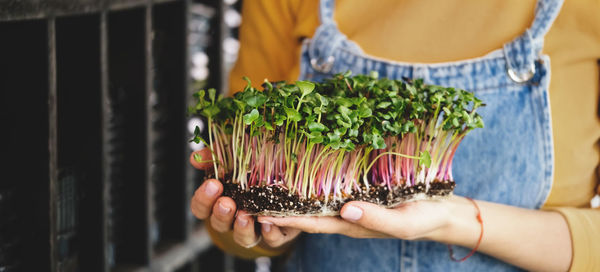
{"points": [[225, 242], [583, 224], [270, 40]]}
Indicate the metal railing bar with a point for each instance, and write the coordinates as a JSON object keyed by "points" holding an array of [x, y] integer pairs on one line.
{"points": [[105, 107], [150, 97], [115, 5], [52, 142], [188, 175], [182, 253], [13, 10]]}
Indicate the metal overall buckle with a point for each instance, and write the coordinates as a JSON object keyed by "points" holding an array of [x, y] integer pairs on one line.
{"points": [[322, 66], [521, 77]]}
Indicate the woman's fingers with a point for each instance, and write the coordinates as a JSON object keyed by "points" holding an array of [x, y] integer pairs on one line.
{"points": [[323, 224], [243, 230], [201, 159], [204, 198], [372, 216], [310, 224], [275, 236], [413, 220], [223, 214]]}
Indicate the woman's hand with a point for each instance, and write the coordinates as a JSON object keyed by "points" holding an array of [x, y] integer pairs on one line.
{"points": [[410, 221], [221, 212], [531, 239]]}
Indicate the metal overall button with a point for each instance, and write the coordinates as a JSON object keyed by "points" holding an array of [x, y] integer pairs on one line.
{"points": [[322, 66], [521, 77]]}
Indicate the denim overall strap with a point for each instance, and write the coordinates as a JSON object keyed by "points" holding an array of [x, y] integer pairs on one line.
{"points": [[522, 52], [322, 53], [326, 12]]}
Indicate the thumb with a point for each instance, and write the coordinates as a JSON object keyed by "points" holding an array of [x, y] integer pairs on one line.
{"points": [[201, 159]]}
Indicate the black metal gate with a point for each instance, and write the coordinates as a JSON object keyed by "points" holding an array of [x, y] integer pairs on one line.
{"points": [[93, 131]]}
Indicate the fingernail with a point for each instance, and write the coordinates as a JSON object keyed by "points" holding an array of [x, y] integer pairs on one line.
{"points": [[242, 221], [352, 213], [266, 227], [211, 189], [223, 209]]}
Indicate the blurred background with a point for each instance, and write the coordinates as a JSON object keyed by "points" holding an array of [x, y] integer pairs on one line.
{"points": [[94, 172]]}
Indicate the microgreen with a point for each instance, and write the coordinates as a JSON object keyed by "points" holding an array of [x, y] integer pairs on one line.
{"points": [[327, 139]]}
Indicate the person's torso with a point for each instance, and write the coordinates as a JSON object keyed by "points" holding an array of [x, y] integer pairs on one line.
{"points": [[474, 29], [510, 161]]}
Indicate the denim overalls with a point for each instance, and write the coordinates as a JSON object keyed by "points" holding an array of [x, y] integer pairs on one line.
{"points": [[510, 161]]}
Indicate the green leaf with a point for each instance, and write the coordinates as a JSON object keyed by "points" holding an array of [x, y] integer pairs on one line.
{"points": [[256, 100], [211, 111], [349, 145], [283, 92], [248, 83], [344, 110], [197, 139], [411, 89], [364, 111], [455, 122], [387, 126], [267, 85], [466, 117], [317, 139], [324, 100], [385, 116], [333, 137], [437, 98], [279, 119], [408, 127], [477, 122], [306, 109], [340, 131], [446, 110], [314, 126], [211, 94], [374, 74], [342, 101], [306, 87], [250, 117], [240, 104], [259, 122], [343, 123], [199, 94], [358, 100], [425, 159], [268, 126], [292, 114], [378, 142], [197, 157], [353, 132], [384, 105]]}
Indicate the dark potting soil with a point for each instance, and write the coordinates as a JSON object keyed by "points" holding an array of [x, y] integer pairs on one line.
{"points": [[276, 200]]}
